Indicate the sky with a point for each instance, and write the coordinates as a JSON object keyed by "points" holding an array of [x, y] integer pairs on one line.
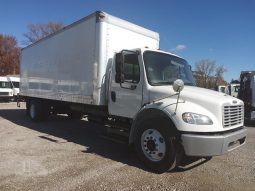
{"points": [[219, 30]]}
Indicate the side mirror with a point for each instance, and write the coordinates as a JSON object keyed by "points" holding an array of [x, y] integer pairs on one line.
{"points": [[178, 85], [119, 77]]}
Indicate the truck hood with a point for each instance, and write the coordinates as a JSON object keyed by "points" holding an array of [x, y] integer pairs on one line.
{"points": [[193, 94], [195, 100], [206, 97]]}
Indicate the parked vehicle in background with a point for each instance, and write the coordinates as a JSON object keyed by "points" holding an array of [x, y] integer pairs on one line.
{"points": [[222, 89], [6, 92], [15, 85], [112, 71], [247, 93], [233, 89]]}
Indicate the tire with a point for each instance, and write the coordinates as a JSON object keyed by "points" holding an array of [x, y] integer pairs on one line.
{"points": [[156, 145], [37, 110]]}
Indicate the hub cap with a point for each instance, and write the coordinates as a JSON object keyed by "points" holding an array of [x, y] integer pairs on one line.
{"points": [[153, 145]]}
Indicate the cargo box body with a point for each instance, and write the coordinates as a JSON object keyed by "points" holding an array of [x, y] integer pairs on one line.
{"points": [[70, 65]]}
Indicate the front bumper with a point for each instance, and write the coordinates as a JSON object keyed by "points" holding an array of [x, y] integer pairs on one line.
{"points": [[6, 97], [213, 145]]}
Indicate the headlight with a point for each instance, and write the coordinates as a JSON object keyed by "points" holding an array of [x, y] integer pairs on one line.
{"points": [[194, 118]]}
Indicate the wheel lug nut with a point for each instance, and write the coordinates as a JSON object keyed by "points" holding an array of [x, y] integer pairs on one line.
{"points": [[161, 140]]}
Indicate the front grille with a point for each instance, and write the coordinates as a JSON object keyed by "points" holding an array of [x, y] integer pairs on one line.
{"points": [[232, 115], [4, 93]]}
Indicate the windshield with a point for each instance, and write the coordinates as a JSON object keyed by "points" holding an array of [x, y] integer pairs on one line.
{"points": [[5, 84], [164, 69]]}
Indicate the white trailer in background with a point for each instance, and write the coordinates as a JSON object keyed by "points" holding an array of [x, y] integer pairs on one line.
{"points": [[112, 71]]}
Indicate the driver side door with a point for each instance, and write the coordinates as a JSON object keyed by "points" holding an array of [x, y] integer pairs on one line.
{"points": [[125, 97]]}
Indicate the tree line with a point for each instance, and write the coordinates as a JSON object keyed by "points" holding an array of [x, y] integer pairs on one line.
{"points": [[207, 73]]}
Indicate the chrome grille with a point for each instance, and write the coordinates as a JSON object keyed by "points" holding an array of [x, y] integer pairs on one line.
{"points": [[232, 115]]}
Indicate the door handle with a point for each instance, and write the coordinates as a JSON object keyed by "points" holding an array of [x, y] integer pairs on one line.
{"points": [[133, 87], [113, 96]]}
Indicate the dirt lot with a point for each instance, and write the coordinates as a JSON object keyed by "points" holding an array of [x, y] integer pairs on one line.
{"points": [[61, 154]]}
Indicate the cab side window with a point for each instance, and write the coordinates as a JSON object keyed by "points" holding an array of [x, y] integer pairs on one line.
{"points": [[131, 68]]}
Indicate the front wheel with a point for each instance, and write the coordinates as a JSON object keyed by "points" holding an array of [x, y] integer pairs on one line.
{"points": [[156, 145]]}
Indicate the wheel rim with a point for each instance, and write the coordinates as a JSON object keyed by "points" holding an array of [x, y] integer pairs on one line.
{"points": [[153, 145], [32, 111]]}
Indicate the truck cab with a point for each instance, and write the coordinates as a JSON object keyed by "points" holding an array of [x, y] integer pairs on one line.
{"points": [[222, 89], [233, 89], [198, 121], [6, 92], [15, 85]]}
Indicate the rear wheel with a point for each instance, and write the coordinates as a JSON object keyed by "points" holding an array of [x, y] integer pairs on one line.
{"points": [[37, 110], [156, 145]]}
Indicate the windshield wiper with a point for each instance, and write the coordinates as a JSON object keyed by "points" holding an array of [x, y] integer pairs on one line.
{"points": [[162, 83], [189, 83]]}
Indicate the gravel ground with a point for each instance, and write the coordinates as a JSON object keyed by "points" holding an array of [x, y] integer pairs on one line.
{"points": [[61, 154]]}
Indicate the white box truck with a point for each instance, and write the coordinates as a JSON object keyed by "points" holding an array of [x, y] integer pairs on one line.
{"points": [[112, 71], [6, 92]]}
